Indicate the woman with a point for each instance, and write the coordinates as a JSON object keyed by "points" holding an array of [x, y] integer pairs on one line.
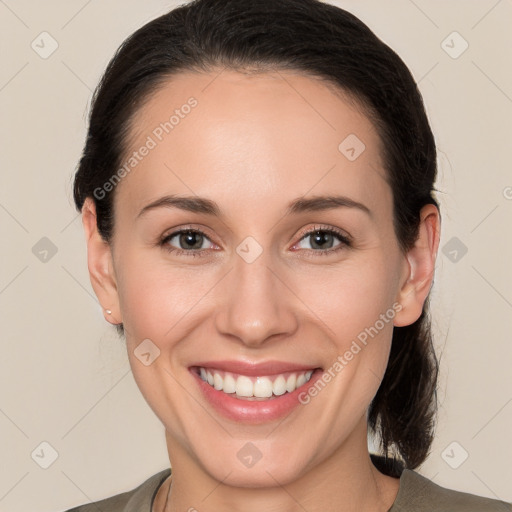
{"points": [[257, 196]]}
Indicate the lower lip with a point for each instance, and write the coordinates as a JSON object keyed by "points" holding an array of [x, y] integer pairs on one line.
{"points": [[254, 411]]}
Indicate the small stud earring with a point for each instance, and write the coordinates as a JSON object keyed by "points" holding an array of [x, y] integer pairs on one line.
{"points": [[108, 311]]}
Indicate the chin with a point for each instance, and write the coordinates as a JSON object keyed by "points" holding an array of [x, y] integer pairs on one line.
{"points": [[251, 468]]}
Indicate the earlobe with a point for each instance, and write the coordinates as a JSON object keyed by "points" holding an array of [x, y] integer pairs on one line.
{"points": [[419, 273], [100, 265]]}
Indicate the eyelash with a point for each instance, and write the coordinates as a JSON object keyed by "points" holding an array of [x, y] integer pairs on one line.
{"points": [[342, 237]]}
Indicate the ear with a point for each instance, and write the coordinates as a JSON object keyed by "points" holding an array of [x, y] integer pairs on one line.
{"points": [[100, 264], [419, 271]]}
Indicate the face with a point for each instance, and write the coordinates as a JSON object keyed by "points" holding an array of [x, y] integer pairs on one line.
{"points": [[279, 275]]}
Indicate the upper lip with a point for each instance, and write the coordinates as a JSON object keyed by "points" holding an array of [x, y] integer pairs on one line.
{"points": [[255, 369]]}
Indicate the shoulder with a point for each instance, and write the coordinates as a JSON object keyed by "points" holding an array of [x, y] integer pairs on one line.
{"points": [[136, 500], [419, 494]]}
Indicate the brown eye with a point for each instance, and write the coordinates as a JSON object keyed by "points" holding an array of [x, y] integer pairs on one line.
{"points": [[189, 241], [323, 241]]}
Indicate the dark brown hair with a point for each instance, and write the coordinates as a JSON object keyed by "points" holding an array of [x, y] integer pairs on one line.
{"points": [[318, 40]]}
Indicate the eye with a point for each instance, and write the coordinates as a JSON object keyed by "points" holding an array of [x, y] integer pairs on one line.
{"points": [[189, 242], [323, 240], [194, 242]]}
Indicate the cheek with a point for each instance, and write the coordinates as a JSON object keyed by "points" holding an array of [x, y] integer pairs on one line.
{"points": [[157, 304], [353, 297], [155, 297], [356, 303]]}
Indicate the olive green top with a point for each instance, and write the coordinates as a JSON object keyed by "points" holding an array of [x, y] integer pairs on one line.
{"points": [[416, 494]]}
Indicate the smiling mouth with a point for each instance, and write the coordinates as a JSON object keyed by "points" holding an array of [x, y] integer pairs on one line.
{"points": [[245, 387]]}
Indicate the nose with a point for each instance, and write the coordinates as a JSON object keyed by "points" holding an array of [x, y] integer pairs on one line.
{"points": [[256, 303]]}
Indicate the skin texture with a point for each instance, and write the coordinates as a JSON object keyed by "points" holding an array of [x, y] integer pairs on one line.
{"points": [[253, 144]]}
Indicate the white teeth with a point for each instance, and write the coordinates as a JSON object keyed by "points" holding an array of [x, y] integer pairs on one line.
{"points": [[279, 386], [259, 387], [217, 381], [229, 384], [290, 383], [263, 387], [244, 386]]}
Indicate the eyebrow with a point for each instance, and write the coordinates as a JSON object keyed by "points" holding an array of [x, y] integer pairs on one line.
{"points": [[206, 206]]}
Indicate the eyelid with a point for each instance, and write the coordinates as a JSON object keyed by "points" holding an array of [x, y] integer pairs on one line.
{"points": [[163, 241], [344, 238], [322, 227], [188, 227]]}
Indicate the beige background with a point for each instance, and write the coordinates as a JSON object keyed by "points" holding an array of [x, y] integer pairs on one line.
{"points": [[65, 378]]}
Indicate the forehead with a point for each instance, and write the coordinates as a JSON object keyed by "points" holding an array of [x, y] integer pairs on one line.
{"points": [[233, 135]]}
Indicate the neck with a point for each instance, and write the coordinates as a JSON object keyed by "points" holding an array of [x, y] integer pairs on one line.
{"points": [[347, 481]]}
